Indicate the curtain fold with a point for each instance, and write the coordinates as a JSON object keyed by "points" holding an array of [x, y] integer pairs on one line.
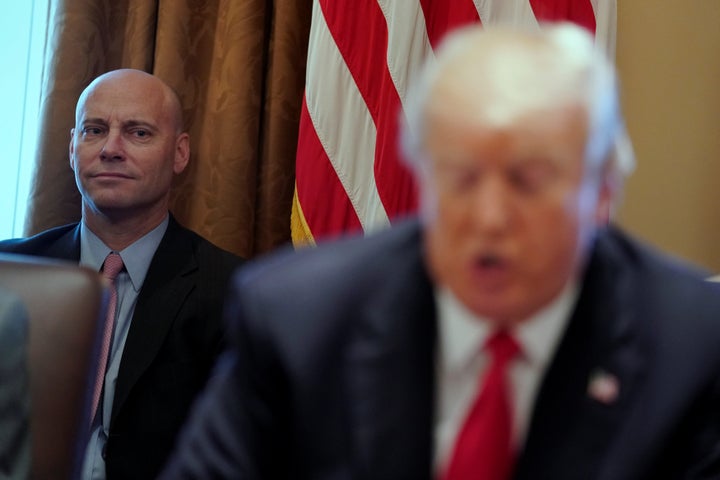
{"points": [[239, 69]]}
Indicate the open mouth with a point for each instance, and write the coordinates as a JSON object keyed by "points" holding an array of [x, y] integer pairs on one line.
{"points": [[490, 270], [490, 261]]}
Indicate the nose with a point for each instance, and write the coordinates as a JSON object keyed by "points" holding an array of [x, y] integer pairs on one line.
{"points": [[112, 148], [492, 208]]}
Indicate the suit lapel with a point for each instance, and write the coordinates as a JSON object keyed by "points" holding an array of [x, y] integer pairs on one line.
{"points": [[390, 371], [167, 285], [589, 387]]}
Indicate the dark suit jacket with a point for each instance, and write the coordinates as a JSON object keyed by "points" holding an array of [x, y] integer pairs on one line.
{"points": [[332, 373], [174, 338]]}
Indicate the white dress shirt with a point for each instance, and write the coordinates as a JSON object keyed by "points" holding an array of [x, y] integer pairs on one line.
{"points": [[461, 361]]}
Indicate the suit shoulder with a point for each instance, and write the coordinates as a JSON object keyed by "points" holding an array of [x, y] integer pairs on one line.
{"points": [[36, 244], [206, 252], [326, 294], [212, 265], [677, 292], [354, 261], [329, 287]]}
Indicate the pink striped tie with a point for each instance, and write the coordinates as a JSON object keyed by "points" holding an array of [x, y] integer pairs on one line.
{"points": [[112, 266]]}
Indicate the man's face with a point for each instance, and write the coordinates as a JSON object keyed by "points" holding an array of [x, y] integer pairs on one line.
{"points": [[510, 210], [124, 148]]}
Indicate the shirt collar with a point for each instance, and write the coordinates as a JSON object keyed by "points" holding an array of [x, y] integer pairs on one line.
{"points": [[136, 257], [541, 334], [463, 333]]}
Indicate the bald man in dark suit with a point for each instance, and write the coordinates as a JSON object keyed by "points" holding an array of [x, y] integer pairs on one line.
{"points": [[127, 145]]}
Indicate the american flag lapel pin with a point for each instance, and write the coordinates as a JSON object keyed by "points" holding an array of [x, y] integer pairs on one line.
{"points": [[603, 387]]}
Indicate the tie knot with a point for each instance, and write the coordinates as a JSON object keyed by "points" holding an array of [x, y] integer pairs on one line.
{"points": [[502, 346], [112, 266]]}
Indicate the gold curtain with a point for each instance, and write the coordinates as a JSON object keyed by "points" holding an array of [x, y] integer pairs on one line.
{"points": [[239, 68]]}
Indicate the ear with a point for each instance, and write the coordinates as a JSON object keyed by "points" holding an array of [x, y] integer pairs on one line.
{"points": [[71, 149], [606, 196], [182, 152]]}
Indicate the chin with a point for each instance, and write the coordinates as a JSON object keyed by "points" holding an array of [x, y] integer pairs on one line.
{"points": [[491, 310], [500, 310]]}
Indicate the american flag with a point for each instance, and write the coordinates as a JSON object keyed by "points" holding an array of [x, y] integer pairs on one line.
{"points": [[362, 55]]}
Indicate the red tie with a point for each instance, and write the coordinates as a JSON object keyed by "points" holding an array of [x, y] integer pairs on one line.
{"points": [[483, 449], [112, 266]]}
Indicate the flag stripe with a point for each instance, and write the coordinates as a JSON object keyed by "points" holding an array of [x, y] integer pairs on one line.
{"points": [[363, 45], [408, 42], [317, 183], [605, 24], [506, 12], [344, 127], [443, 15], [577, 11]]}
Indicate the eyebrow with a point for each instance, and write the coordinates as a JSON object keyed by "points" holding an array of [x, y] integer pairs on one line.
{"points": [[92, 120], [128, 123], [140, 123]]}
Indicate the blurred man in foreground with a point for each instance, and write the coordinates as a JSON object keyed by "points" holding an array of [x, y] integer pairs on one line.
{"points": [[509, 333], [164, 329]]}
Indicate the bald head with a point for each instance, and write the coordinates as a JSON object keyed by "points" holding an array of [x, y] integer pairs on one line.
{"points": [[506, 74], [136, 83]]}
